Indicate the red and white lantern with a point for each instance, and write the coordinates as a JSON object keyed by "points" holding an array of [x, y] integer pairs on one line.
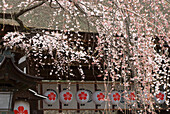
{"points": [[52, 96], [115, 97], [131, 97], [98, 97], [160, 97], [82, 96], [21, 107], [66, 96]]}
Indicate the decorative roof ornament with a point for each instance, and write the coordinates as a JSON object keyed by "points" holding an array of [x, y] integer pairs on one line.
{"points": [[9, 71], [7, 53]]}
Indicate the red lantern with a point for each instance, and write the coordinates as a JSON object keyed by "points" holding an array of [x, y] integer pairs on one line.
{"points": [[98, 97], [52, 96], [160, 97], [82, 96], [132, 97], [66, 96], [115, 97], [21, 107]]}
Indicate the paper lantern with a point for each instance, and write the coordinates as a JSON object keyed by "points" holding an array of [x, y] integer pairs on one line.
{"points": [[66, 96], [115, 97], [21, 107], [52, 96], [82, 96], [98, 97], [131, 97], [160, 97]]}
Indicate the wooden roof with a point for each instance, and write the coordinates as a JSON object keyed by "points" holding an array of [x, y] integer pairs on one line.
{"points": [[12, 78], [42, 16]]}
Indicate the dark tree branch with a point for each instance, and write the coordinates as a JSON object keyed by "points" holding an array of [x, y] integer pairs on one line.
{"points": [[60, 5], [53, 6], [28, 9], [78, 7], [15, 16], [20, 23]]}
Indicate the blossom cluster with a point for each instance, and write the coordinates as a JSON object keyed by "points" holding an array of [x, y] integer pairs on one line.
{"points": [[53, 46]]}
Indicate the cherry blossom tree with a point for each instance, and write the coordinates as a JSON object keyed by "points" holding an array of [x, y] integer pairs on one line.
{"points": [[132, 42]]}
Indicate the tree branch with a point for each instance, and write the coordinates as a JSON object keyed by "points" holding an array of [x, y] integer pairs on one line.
{"points": [[15, 16], [28, 9], [60, 6], [78, 7]]}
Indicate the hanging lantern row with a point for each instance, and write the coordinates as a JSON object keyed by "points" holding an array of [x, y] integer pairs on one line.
{"points": [[83, 96]]}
